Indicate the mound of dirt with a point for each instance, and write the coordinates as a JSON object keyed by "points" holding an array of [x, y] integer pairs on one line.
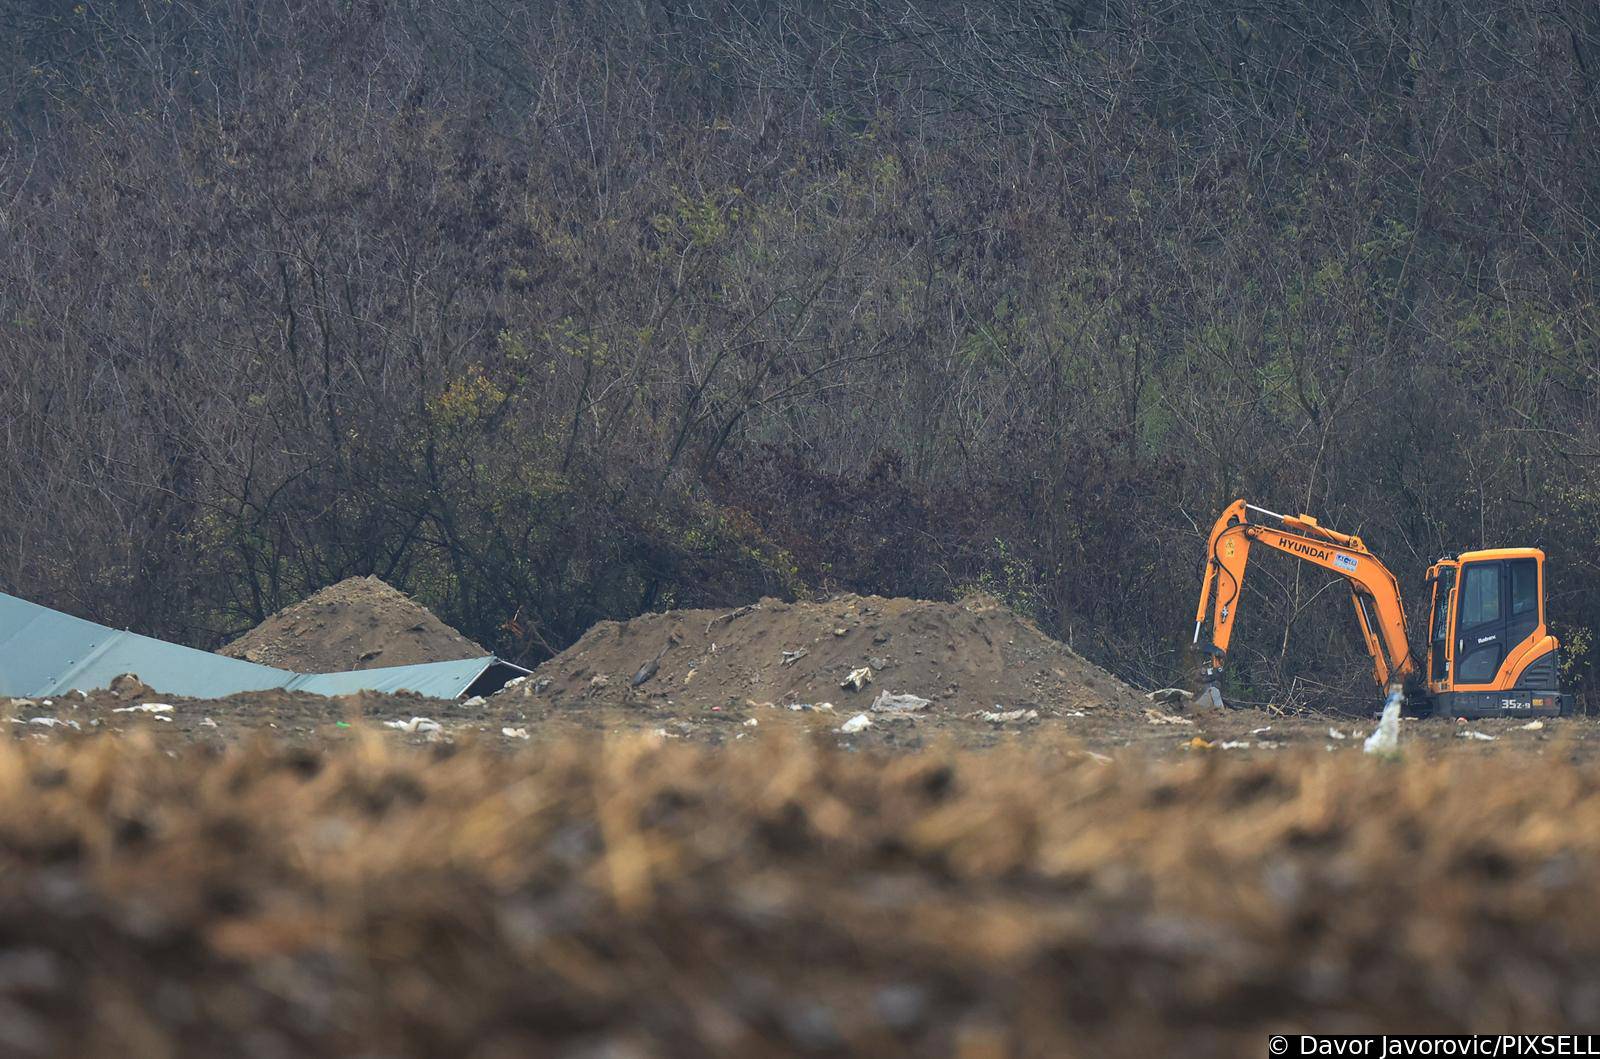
{"points": [[972, 655], [359, 623]]}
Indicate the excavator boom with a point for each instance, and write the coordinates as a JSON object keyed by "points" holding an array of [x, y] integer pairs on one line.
{"points": [[1373, 589]]}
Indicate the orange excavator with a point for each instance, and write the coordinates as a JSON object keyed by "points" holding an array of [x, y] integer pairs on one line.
{"points": [[1489, 653]]}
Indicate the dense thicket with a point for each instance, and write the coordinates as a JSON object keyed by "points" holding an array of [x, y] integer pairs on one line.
{"points": [[555, 311]]}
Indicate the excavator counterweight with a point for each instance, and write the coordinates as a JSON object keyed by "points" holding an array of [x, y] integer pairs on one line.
{"points": [[1492, 632]]}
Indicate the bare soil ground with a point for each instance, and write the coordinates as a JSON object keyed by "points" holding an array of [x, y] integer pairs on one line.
{"points": [[1125, 732], [359, 623], [643, 897], [708, 865]]}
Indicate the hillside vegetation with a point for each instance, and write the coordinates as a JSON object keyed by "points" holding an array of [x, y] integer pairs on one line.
{"points": [[550, 312]]}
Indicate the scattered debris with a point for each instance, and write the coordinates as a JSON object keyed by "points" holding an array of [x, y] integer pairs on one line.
{"points": [[1198, 744], [857, 679], [128, 686], [1469, 733], [791, 657], [807, 707], [998, 716], [1157, 717], [476, 700], [1170, 695], [1211, 697], [514, 733], [859, 723], [751, 722], [515, 681], [1532, 726], [1385, 739], [888, 702], [1236, 744], [416, 724], [650, 668], [1334, 733], [145, 707], [55, 722], [206, 722], [746, 609]]}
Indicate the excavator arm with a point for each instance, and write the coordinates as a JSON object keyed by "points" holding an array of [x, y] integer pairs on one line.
{"points": [[1373, 589]]}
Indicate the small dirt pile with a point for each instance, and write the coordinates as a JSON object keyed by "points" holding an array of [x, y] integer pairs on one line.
{"points": [[972, 655], [359, 623]]}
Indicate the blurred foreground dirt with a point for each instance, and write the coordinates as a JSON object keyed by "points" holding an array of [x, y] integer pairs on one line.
{"points": [[635, 896]]}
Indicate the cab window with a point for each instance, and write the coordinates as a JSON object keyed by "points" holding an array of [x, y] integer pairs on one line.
{"points": [[1480, 594], [1524, 586], [1441, 605]]}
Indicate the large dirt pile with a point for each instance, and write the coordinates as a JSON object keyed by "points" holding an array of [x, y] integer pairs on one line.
{"points": [[972, 655], [359, 623]]}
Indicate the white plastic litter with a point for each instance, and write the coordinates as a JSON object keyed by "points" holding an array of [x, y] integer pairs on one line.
{"points": [[145, 707], [416, 724], [1532, 726], [1385, 739], [1334, 733], [887, 702], [857, 679], [476, 700], [206, 722], [1003, 716], [1468, 733], [859, 723], [514, 681], [751, 723], [1236, 744], [55, 722], [514, 733]]}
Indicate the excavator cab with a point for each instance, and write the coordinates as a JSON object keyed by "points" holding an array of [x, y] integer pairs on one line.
{"points": [[1489, 653]]}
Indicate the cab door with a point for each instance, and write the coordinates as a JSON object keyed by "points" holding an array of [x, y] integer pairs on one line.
{"points": [[1497, 609], [1443, 581]]}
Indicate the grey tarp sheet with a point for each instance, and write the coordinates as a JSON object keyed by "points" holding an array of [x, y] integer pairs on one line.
{"points": [[44, 652]]}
